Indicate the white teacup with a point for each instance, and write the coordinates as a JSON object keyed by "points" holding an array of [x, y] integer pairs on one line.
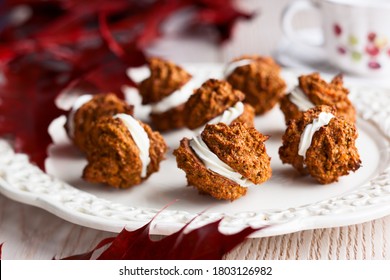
{"points": [[356, 33]]}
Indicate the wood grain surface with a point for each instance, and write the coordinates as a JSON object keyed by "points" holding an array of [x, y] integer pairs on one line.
{"points": [[32, 233]]}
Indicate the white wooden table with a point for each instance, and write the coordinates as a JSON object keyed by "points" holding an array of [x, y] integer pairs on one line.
{"points": [[32, 233]]}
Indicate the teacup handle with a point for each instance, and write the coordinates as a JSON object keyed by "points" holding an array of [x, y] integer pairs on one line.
{"points": [[287, 17]]}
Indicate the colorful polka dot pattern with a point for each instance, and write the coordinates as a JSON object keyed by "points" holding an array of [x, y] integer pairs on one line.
{"points": [[375, 45]]}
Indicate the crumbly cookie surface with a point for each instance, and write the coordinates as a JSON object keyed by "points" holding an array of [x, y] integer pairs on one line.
{"points": [[260, 81], [202, 178], [165, 78], [247, 117], [332, 152], [210, 101], [114, 158], [319, 92], [169, 120], [86, 116], [240, 147]]}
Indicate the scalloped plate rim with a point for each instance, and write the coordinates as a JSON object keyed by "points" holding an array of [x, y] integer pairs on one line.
{"points": [[163, 226]]}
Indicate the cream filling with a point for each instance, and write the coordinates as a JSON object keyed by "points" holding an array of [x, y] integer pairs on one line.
{"points": [[235, 64], [140, 138], [229, 115], [138, 74], [300, 99], [177, 97], [308, 133], [212, 162], [80, 101]]}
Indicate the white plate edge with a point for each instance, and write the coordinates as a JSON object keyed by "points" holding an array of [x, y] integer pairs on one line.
{"points": [[287, 221]]}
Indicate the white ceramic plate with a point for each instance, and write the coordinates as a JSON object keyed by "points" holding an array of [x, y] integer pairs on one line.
{"points": [[286, 203], [311, 58]]}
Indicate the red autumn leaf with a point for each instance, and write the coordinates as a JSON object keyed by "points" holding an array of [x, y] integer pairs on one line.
{"points": [[27, 93], [108, 76], [220, 14], [65, 44], [30, 88], [206, 242], [88, 255], [89, 44], [154, 19], [128, 53]]}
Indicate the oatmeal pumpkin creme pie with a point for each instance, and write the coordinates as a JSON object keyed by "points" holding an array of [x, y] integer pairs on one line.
{"points": [[124, 151], [321, 144], [223, 161]]}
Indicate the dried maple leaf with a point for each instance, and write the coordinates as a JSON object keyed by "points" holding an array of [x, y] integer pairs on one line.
{"points": [[89, 44], [30, 86], [27, 106], [219, 14], [88, 255], [205, 242], [67, 44]]}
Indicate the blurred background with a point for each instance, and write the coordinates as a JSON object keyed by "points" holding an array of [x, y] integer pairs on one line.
{"points": [[260, 35]]}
